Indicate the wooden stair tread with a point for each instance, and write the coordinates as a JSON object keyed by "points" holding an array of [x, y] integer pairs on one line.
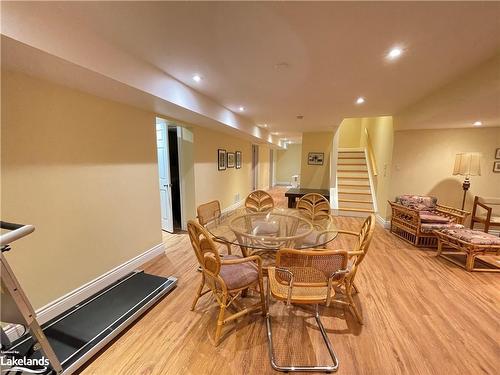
{"points": [[352, 178], [356, 185], [355, 209], [355, 192], [354, 200], [352, 157], [351, 164], [351, 152]]}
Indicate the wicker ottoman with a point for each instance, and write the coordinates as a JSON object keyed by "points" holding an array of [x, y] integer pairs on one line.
{"points": [[468, 244]]}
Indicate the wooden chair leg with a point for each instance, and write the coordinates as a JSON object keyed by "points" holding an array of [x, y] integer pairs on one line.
{"points": [[352, 305], [220, 320], [198, 293], [262, 297], [469, 262], [440, 247], [355, 288]]}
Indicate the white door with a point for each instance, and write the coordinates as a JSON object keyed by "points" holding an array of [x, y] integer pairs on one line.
{"points": [[167, 222]]}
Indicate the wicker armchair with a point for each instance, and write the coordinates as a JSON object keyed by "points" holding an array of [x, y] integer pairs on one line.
{"points": [[226, 278], [210, 213], [306, 277], [414, 218], [356, 256], [259, 201], [314, 206]]}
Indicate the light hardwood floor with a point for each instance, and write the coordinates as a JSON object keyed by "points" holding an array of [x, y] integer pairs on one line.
{"points": [[422, 315]]}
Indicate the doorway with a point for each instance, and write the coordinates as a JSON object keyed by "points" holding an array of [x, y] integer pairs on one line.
{"points": [[168, 175]]}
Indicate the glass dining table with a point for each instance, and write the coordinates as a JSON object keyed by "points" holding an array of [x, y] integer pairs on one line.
{"points": [[264, 233]]}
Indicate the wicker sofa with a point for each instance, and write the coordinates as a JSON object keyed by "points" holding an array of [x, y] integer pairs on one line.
{"points": [[415, 217]]}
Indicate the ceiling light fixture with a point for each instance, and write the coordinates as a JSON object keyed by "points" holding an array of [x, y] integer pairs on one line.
{"points": [[394, 53], [241, 109], [360, 100], [197, 78], [275, 133], [478, 123]]}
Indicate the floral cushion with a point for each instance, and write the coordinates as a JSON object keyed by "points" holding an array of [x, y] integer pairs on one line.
{"points": [[475, 237], [430, 217], [417, 202], [238, 275], [429, 227]]}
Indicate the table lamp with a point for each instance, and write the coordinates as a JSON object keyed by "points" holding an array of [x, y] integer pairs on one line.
{"points": [[467, 164]]}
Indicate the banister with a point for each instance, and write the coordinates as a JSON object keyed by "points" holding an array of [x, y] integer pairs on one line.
{"points": [[371, 154]]}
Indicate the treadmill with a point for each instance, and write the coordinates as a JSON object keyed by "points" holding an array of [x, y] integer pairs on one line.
{"points": [[67, 341]]}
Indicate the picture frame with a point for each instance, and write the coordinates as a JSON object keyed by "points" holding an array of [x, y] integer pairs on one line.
{"points": [[496, 166], [221, 159], [230, 159], [315, 158], [497, 153], [238, 160]]}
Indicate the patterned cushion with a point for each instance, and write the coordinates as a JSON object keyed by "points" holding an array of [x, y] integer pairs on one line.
{"points": [[429, 227], [417, 202], [475, 237], [430, 217], [238, 275]]}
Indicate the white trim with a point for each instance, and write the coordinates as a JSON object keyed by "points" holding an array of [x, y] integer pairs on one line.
{"points": [[334, 198], [58, 306], [282, 183], [385, 223], [353, 149], [233, 207]]}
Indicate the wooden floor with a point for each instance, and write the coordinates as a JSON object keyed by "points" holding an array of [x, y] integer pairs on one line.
{"points": [[422, 315]]}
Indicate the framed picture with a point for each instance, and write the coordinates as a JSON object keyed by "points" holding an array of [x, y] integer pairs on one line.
{"points": [[496, 167], [221, 159], [315, 158], [497, 153], [238, 159], [230, 159]]}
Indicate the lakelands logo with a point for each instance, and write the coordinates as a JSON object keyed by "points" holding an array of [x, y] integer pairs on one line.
{"points": [[23, 364]]}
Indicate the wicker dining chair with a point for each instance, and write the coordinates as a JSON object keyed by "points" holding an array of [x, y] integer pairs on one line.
{"points": [[259, 201], [314, 206], [356, 256], [306, 277], [210, 214], [226, 278]]}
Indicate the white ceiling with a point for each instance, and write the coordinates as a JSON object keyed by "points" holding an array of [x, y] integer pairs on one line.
{"points": [[334, 51]]}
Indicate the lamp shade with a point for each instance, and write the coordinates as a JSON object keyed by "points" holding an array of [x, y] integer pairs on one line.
{"points": [[467, 164]]}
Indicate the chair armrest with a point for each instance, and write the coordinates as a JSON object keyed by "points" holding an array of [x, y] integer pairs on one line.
{"points": [[351, 254], [290, 283], [488, 210], [452, 212], [223, 242], [351, 233], [252, 258], [402, 213]]}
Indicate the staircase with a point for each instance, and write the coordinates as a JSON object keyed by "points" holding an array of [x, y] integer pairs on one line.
{"points": [[354, 184]]}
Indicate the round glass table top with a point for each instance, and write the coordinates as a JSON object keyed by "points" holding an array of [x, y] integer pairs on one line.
{"points": [[272, 230]]}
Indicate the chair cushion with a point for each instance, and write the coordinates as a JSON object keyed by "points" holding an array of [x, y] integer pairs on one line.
{"points": [[430, 217], [417, 202], [429, 227], [238, 275], [471, 236]]}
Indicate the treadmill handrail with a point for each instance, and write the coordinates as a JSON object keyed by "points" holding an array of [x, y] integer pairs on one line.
{"points": [[14, 235]]}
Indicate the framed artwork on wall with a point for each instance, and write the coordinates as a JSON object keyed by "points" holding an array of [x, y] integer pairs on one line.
{"points": [[230, 159], [221, 159], [238, 159], [497, 153], [496, 167], [315, 158]]}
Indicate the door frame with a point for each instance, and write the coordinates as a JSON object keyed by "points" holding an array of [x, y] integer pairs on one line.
{"points": [[255, 167]]}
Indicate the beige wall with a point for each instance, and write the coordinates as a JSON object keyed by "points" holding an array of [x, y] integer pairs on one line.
{"points": [[423, 163], [83, 170], [264, 167], [350, 133], [227, 186], [316, 176], [288, 163]]}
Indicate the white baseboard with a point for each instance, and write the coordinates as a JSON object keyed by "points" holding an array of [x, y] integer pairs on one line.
{"points": [[233, 207], [58, 306], [385, 223]]}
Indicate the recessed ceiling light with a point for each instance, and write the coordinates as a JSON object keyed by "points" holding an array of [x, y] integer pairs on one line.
{"points": [[262, 126], [394, 53], [275, 133], [197, 78], [241, 109], [478, 123], [360, 100]]}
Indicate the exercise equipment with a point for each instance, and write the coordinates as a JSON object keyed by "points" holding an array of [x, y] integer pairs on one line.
{"points": [[65, 342]]}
